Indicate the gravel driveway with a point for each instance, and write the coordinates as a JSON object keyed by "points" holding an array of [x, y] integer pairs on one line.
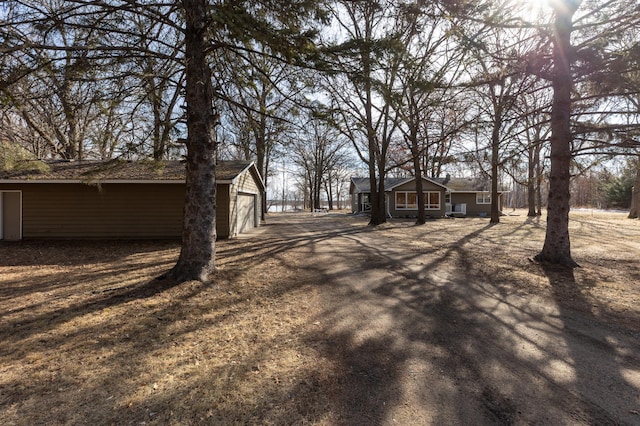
{"points": [[420, 341]]}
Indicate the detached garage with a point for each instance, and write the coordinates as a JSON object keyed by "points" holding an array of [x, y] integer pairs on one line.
{"points": [[120, 199]]}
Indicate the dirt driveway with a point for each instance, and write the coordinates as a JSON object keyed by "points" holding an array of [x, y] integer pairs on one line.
{"points": [[320, 319], [426, 335]]}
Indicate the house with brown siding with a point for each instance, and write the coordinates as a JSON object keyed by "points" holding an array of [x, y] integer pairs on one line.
{"points": [[442, 196], [120, 199]]}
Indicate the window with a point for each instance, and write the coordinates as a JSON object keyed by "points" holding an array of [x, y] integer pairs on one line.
{"points": [[432, 200], [483, 198], [408, 200]]}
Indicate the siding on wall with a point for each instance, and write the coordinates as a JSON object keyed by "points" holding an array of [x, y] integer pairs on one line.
{"points": [[245, 184], [10, 216], [473, 209], [427, 186], [72, 210], [121, 210], [222, 210]]}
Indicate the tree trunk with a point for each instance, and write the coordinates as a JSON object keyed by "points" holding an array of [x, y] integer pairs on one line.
{"points": [[374, 196], [197, 255], [557, 246], [422, 216], [417, 164], [531, 183], [495, 153], [329, 191], [378, 212], [536, 159], [634, 211]]}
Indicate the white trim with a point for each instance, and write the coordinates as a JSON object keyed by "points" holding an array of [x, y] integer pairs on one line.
{"points": [[416, 205], [98, 181], [412, 179], [406, 200], [251, 165], [255, 210], [482, 201], [235, 179]]}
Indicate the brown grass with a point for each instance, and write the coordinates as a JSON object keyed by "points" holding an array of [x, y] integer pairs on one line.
{"points": [[89, 337]]}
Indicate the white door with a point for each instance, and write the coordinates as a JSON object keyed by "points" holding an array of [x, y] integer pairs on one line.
{"points": [[246, 212]]}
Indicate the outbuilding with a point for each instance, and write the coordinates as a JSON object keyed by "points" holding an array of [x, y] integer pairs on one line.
{"points": [[120, 199]]}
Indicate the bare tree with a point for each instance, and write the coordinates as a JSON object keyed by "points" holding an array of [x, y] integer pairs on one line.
{"points": [[263, 94], [361, 86], [52, 80], [160, 76], [431, 63], [319, 154]]}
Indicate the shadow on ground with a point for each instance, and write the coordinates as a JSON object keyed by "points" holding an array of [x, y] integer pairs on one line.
{"points": [[316, 320]]}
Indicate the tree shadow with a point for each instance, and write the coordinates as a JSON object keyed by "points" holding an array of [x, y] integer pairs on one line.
{"points": [[76, 252], [110, 346], [534, 221], [589, 346], [447, 341], [406, 335]]}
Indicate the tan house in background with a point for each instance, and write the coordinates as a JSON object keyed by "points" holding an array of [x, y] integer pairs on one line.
{"points": [[120, 199]]}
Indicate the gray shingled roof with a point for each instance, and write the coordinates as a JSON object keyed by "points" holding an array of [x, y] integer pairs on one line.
{"points": [[362, 184], [453, 184], [97, 171], [465, 184]]}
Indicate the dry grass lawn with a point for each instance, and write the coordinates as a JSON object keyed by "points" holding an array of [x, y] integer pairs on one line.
{"points": [[89, 337]]}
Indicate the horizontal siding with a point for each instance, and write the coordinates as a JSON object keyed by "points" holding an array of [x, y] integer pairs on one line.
{"points": [[426, 186], [109, 211], [73, 210], [246, 183], [222, 211], [473, 209], [233, 210]]}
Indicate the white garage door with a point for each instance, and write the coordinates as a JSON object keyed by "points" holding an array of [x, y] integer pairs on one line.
{"points": [[246, 212]]}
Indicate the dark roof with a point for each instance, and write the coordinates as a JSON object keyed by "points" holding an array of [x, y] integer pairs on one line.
{"points": [[117, 170], [452, 184], [361, 184], [465, 184]]}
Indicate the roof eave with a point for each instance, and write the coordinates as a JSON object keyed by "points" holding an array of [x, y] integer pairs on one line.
{"points": [[89, 182], [413, 178]]}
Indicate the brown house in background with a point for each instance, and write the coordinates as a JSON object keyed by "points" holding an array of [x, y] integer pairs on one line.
{"points": [[448, 196], [120, 199]]}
